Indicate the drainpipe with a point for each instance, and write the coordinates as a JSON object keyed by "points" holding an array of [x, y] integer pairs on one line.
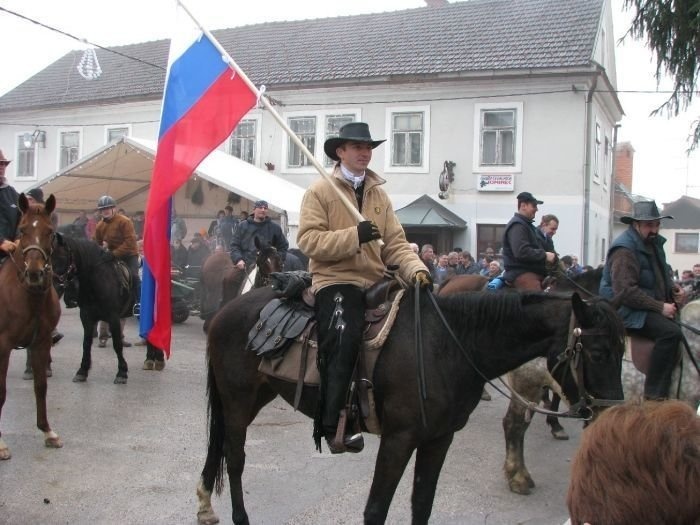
{"points": [[587, 175], [613, 184]]}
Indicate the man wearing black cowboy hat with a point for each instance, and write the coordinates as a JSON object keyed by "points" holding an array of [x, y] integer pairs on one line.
{"points": [[344, 262], [9, 212], [525, 253], [637, 275]]}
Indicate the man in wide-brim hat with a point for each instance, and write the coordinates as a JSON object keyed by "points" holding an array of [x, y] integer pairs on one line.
{"points": [[637, 276], [345, 260]]}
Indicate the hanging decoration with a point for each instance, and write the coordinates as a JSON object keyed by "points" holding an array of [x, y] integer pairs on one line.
{"points": [[89, 68]]}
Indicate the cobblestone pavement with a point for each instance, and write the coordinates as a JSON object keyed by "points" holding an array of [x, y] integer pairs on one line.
{"points": [[133, 453]]}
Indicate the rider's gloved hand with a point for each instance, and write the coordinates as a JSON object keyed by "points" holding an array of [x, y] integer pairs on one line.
{"points": [[423, 279], [368, 231]]}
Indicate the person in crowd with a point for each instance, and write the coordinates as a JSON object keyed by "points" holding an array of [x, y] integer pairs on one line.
{"points": [[345, 259], [442, 269], [138, 221], [466, 264], [453, 260], [178, 227], [638, 278], [495, 270], [91, 226], [549, 224], [178, 254], [414, 247], [427, 255], [214, 230], [81, 221], [115, 233], [525, 255], [638, 463], [567, 264], [243, 250], [9, 211], [227, 227], [576, 268], [197, 253], [488, 255]]}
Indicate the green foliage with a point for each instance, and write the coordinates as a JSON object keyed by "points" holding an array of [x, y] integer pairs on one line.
{"points": [[671, 29]]}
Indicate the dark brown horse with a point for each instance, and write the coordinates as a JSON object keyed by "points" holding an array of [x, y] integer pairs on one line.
{"points": [[30, 307], [493, 333], [223, 281]]}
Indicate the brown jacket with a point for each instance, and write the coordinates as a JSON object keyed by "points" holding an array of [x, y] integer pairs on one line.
{"points": [[119, 234], [328, 235]]}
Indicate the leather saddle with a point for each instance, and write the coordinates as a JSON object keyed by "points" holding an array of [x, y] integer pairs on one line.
{"points": [[285, 337]]}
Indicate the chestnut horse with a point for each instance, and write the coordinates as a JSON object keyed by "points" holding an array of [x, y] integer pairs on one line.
{"points": [[223, 281], [30, 307]]}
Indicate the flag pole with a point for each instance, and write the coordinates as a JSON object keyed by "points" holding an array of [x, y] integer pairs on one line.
{"points": [[321, 170]]}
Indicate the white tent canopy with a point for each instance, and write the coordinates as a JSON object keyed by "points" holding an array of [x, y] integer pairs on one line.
{"points": [[123, 169]]}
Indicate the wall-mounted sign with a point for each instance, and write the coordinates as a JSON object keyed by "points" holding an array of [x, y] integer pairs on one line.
{"points": [[487, 182]]}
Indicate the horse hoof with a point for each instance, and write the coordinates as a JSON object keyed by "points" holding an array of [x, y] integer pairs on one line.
{"points": [[28, 375], [485, 396], [53, 442], [102, 343], [5, 454], [159, 365], [119, 380], [519, 488], [207, 518], [560, 434], [49, 372], [79, 378], [149, 364]]}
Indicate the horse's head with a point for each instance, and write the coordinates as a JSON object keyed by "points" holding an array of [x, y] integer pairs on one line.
{"points": [[595, 345], [64, 270], [268, 259], [35, 243]]}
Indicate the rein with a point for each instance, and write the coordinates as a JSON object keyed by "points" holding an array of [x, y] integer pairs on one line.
{"points": [[571, 356], [20, 272]]}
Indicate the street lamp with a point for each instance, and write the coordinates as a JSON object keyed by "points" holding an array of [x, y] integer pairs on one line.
{"points": [[38, 137]]}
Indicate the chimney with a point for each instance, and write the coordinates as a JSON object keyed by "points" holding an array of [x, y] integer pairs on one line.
{"points": [[436, 3], [624, 164]]}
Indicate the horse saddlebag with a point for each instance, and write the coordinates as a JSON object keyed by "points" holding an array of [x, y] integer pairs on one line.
{"points": [[280, 323]]}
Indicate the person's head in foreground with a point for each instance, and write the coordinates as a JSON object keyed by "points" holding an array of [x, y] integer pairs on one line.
{"points": [[638, 463]]}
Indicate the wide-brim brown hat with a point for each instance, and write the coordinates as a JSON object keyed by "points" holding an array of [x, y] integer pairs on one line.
{"points": [[353, 131], [644, 211], [4, 159]]}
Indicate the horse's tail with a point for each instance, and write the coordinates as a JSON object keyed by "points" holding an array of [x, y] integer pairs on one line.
{"points": [[212, 473]]}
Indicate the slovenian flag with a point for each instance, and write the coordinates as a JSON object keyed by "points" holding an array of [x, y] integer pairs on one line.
{"points": [[203, 100]]}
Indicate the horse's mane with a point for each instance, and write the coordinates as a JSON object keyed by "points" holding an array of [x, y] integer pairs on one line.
{"points": [[87, 254]]}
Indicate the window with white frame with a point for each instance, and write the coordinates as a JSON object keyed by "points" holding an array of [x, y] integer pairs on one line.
{"points": [[305, 129], [243, 142], [686, 243], [26, 160], [69, 148], [333, 125], [114, 134], [314, 128], [408, 130], [407, 139], [607, 156], [498, 137]]}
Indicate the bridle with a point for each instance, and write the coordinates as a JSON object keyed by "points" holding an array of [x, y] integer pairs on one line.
{"points": [[47, 268], [570, 359], [63, 279]]}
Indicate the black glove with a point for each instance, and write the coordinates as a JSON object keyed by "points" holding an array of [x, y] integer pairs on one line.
{"points": [[367, 231]]}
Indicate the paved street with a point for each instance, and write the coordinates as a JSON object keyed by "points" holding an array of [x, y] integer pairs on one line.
{"points": [[132, 454]]}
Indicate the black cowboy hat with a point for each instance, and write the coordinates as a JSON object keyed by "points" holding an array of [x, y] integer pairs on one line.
{"points": [[644, 211], [353, 131]]}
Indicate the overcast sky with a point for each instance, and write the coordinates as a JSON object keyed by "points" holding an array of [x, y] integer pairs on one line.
{"points": [[662, 169]]}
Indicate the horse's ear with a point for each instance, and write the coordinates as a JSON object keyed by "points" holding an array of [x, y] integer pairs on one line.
{"points": [[59, 239], [579, 307], [50, 205], [23, 203]]}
